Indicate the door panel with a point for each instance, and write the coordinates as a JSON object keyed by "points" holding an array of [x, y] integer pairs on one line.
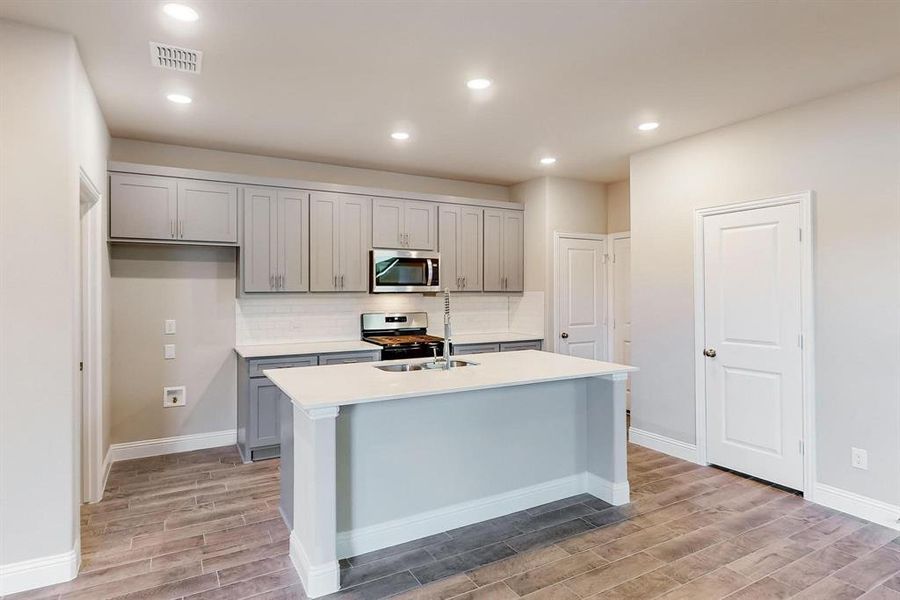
{"points": [[259, 247], [354, 242], [753, 322], [581, 304], [493, 250], [387, 223], [449, 223], [469, 247], [142, 206], [513, 250], [323, 241], [207, 211], [420, 225], [293, 228]]}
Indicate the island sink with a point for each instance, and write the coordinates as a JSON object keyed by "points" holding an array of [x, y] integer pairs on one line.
{"points": [[426, 366]]}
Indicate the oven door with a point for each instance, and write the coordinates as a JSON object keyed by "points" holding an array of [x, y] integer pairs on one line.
{"points": [[405, 271]]}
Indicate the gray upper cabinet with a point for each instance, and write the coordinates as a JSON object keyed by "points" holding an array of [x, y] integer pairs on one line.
{"points": [[142, 207], [504, 250], [339, 242], [461, 230], [408, 224], [149, 207], [274, 250]]}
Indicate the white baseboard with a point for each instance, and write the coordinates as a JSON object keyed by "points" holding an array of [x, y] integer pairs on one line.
{"points": [[398, 531], [40, 572], [857, 505], [171, 445], [663, 444], [318, 580]]}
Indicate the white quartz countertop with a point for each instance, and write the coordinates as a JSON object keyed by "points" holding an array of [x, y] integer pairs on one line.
{"points": [[267, 350], [494, 338], [340, 385]]}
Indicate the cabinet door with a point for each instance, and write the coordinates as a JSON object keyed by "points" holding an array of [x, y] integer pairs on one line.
{"points": [[355, 241], [207, 211], [493, 250], [142, 206], [258, 250], [469, 248], [387, 223], [448, 238], [420, 225], [264, 419], [324, 249], [293, 241], [513, 251]]}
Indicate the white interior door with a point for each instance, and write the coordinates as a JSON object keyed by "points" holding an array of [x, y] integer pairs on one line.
{"points": [[753, 361], [621, 304], [581, 297]]}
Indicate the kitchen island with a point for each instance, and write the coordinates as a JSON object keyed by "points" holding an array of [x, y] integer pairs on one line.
{"points": [[373, 458]]}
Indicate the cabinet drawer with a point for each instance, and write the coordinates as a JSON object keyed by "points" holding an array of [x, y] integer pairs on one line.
{"points": [[345, 358], [475, 348], [512, 346], [258, 365]]}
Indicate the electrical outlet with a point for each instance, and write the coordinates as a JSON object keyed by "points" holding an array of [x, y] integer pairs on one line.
{"points": [[174, 396], [170, 326], [169, 351], [859, 459]]}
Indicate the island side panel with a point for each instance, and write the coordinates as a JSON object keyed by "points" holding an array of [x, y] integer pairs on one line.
{"points": [[313, 538], [413, 467], [607, 449], [286, 423]]}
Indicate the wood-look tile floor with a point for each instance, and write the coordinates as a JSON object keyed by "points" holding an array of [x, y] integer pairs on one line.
{"points": [[203, 525]]}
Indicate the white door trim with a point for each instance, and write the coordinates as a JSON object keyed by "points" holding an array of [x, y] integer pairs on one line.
{"points": [[805, 201], [93, 462], [557, 236], [610, 294]]}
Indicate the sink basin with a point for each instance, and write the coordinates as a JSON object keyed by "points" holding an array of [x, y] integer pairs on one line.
{"points": [[406, 367]]}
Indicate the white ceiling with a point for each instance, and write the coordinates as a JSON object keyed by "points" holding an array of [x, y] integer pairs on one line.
{"points": [[329, 81]]}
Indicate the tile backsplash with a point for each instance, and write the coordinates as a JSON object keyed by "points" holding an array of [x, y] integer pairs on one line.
{"points": [[316, 317]]}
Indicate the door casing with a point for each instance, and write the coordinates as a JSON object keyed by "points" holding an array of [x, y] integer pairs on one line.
{"points": [[805, 202]]}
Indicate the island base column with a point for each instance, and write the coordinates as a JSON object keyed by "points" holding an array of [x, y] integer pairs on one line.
{"points": [[313, 546], [607, 452]]}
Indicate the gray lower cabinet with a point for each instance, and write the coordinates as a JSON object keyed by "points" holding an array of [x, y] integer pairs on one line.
{"points": [[260, 405], [496, 347]]}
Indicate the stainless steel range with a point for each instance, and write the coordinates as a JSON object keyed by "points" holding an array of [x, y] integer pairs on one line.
{"points": [[400, 335]]}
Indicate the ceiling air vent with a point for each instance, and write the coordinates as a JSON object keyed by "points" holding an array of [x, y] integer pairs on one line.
{"points": [[185, 60]]}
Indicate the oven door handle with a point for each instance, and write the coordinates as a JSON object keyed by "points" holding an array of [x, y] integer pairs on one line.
{"points": [[430, 271]]}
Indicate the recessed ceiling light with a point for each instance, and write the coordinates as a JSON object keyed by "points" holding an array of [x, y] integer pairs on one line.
{"points": [[400, 135], [181, 12], [478, 84], [548, 160], [648, 126], [179, 98]]}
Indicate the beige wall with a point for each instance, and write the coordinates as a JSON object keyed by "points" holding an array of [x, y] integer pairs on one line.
{"points": [[846, 149], [555, 204], [266, 166], [618, 207], [196, 286], [49, 126]]}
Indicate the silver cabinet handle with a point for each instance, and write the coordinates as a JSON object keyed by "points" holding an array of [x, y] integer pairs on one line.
{"points": [[342, 282], [335, 282], [465, 282], [181, 229], [172, 228], [271, 281], [279, 281]]}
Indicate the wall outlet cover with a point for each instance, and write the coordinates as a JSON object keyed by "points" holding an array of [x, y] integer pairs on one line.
{"points": [[859, 459], [169, 351], [174, 396], [170, 326]]}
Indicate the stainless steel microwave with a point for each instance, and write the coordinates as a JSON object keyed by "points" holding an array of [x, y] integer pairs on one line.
{"points": [[394, 271]]}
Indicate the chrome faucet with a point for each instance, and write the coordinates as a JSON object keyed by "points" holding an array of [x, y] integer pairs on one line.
{"points": [[447, 361]]}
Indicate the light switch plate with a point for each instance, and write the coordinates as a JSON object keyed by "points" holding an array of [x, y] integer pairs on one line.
{"points": [[174, 396], [169, 351], [170, 326], [859, 458]]}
